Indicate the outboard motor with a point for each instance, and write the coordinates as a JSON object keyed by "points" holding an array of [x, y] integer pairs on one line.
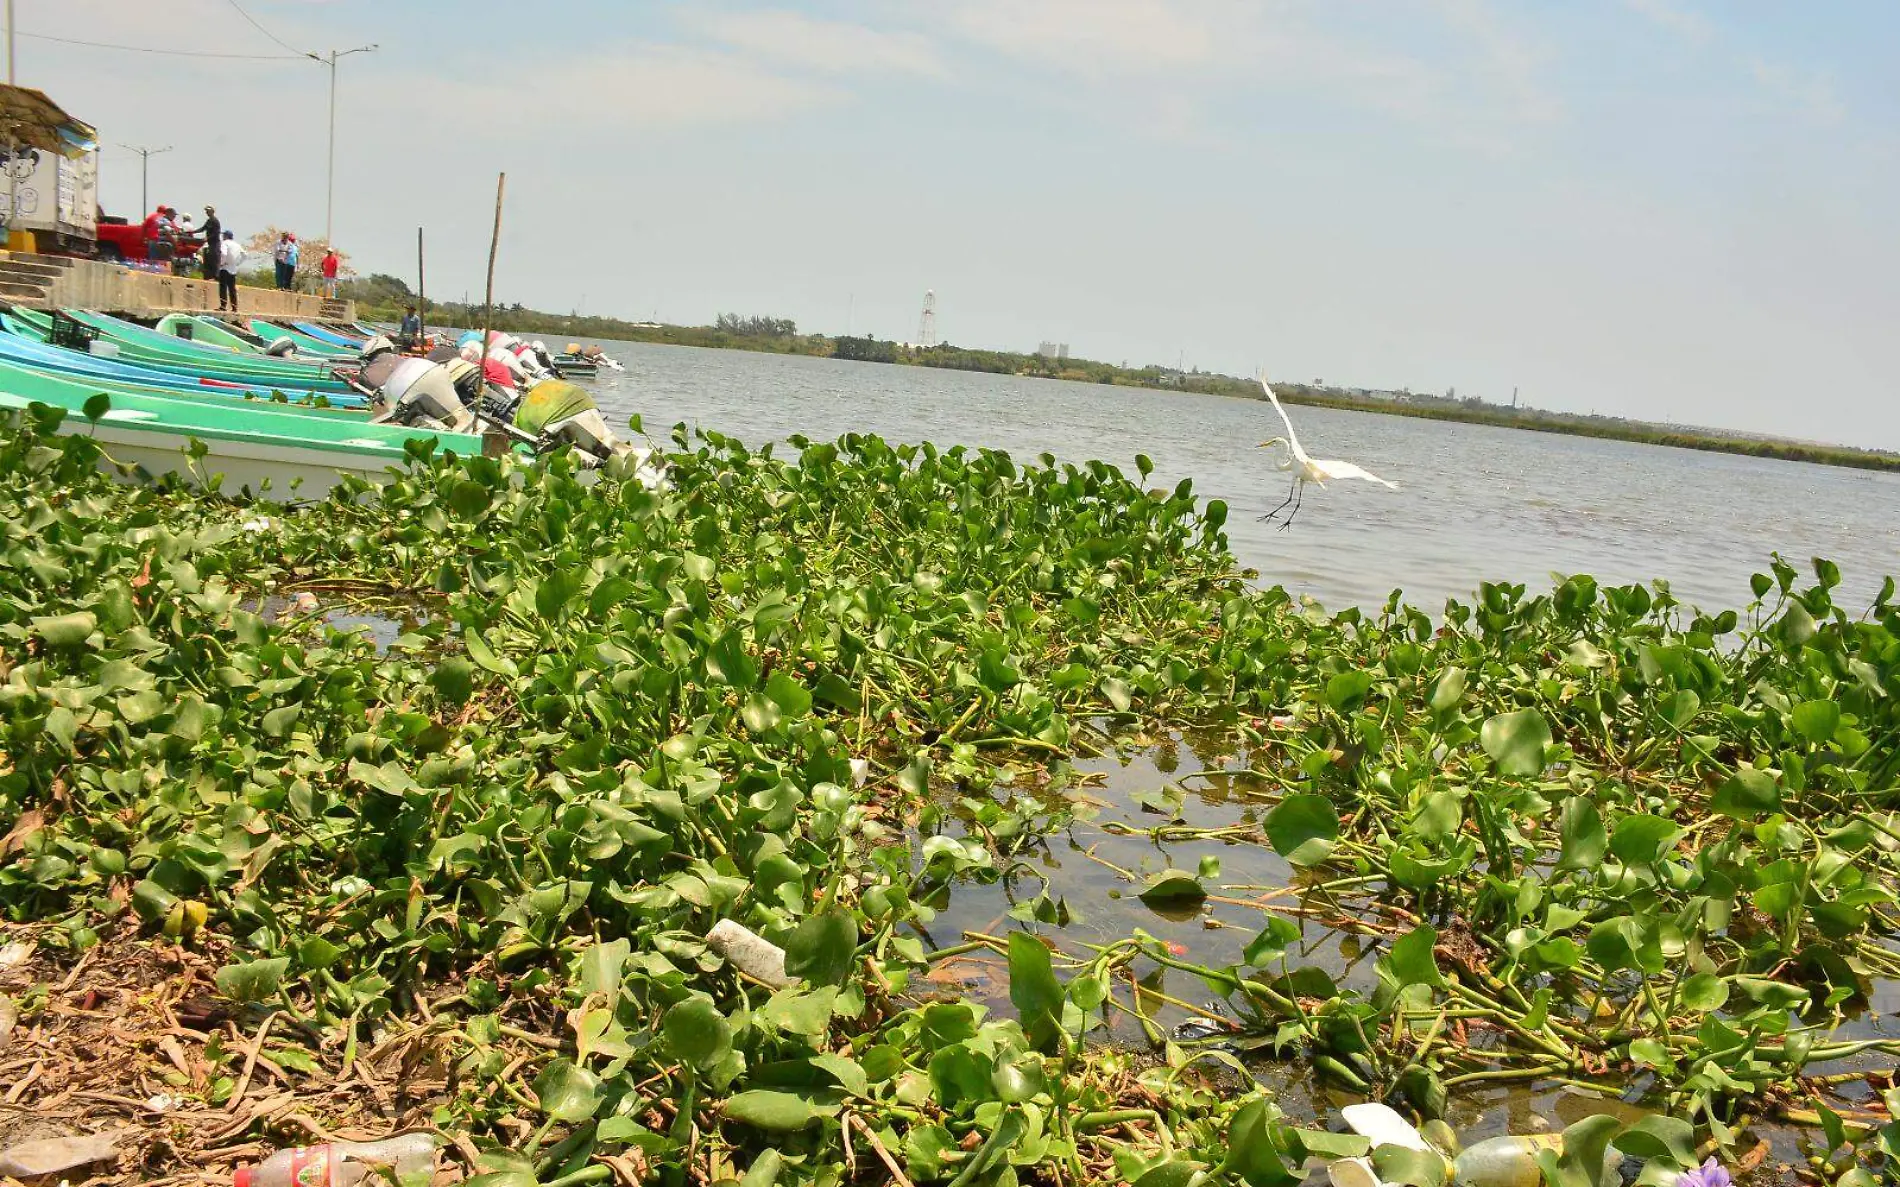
{"points": [[281, 348], [412, 391], [555, 411]]}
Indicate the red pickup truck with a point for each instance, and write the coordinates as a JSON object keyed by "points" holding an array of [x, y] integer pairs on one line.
{"points": [[124, 242]]}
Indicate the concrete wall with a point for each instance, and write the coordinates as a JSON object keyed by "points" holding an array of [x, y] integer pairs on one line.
{"points": [[109, 288]]}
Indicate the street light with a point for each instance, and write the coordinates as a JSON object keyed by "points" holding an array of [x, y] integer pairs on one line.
{"points": [[145, 162], [329, 204]]}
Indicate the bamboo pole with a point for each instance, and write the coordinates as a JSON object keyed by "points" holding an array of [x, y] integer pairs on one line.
{"points": [[488, 294], [494, 245], [422, 292]]}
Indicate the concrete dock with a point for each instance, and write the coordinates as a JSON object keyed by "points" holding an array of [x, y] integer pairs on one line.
{"points": [[61, 282]]}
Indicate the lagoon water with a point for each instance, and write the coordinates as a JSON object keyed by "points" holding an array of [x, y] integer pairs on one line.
{"points": [[1475, 503]]}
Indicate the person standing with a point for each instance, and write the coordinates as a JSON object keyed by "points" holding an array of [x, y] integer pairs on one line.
{"points": [[281, 253], [214, 237], [331, 262], [230, 258], [292, 258]]}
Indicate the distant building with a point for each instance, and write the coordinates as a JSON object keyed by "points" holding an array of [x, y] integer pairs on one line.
{"points": [[1053, 350]]}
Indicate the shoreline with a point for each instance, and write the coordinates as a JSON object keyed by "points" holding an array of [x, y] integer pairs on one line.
{"points": [[1157, 379]]}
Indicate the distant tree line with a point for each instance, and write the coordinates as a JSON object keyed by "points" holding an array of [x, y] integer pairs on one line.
{"points": [[756, 327]]}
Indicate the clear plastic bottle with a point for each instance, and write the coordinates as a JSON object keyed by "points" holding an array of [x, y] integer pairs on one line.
{"points": [[342, 1164]]}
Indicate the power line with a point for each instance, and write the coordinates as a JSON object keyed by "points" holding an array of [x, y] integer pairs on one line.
{"points": [[282, 44], [146, 49]]}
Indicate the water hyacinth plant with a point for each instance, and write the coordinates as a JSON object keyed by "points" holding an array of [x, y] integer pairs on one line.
{"points": [[1587, 836]]}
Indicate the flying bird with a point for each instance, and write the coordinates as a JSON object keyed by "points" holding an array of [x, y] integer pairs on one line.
{"points": [[1306, 469]]}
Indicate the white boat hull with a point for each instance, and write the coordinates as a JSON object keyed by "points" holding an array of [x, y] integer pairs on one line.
{"points": [[284, 472]]}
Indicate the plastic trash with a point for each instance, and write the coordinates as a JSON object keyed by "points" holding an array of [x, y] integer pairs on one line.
{"points": [[52, 1156], [1352, 1172], [342, 1164], [1382, 1126], [1508, 1161], [748, 952]]}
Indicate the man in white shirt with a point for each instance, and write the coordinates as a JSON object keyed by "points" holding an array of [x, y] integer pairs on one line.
{"points": [[230, 259]]}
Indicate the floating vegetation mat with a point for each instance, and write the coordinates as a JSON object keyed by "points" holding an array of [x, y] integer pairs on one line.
{"points": [[1091, 859]]}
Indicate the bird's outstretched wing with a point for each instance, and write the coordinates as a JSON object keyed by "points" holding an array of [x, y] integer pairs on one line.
{"points": [[1293, 438], [1334, 468]]}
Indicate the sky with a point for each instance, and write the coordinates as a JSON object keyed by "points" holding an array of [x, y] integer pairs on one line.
{"points": [[1678, 210]]}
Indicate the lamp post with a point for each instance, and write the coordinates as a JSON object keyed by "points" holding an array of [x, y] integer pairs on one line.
{"points": [[145, 161], [329, 204]]}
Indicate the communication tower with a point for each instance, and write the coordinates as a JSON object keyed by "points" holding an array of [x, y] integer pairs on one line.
{"points": [[927, 325]]}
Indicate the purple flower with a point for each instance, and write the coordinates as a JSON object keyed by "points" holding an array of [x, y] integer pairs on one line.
{"points": [[1709, 1174]]}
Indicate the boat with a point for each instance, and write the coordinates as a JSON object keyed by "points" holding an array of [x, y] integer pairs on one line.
{"points": [[289, 452], [326, 334], [82, 367], [197, 328], [305, 344], [148, 347], [574, 366]]}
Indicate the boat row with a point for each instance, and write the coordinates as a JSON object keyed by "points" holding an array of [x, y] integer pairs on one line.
{"points": [[287, 411]]}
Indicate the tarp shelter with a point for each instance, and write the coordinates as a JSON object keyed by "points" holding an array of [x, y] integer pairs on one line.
{"points": [[51, 191], [29, 119]]}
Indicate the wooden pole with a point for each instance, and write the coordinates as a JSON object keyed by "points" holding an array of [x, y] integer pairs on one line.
{"points": [[422, 291], [488, 295], [494, 245]]}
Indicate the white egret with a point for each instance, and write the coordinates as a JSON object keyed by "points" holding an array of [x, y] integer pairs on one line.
{"points": [[1307, 469]]}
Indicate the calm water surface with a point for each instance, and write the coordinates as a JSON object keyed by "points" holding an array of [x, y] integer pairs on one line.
{"points": [[1475, 503]]}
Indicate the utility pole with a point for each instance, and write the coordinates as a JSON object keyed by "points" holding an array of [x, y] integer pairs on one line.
{"points": [[145, 162], [329, 204], [9, 42]]}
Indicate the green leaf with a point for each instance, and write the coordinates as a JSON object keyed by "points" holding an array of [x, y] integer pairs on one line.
{"points": [[600, 968], [1303, 828], [1583, 1162], [764, 1170], [790, 696], [1580, 826], [696, 1032], [1118, 693], [567, 1092], [1448, 692], [1347, 691], [1034, 990], [1271, 944], [1657, 1136], [1410, 958], [1258, 1148], [96, 406], [278, 721], [1415, 1168], [65, 630], [1517, 742], [1172, 886], [775, 1111], [62, 726], [1816, 721], [453, 680], [315, 952], [1704, 992], [1748, 794], [468, 499], [252, 981], [1643, 840], [761, 713], [823, 948]]}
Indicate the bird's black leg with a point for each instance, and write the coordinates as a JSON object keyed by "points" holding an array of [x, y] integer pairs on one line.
{"points": [[1299, 489], [1268, 517]]}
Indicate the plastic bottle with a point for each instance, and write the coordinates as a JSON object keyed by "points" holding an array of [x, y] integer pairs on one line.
{"points": [[1509, 1161], [340, 1164]]}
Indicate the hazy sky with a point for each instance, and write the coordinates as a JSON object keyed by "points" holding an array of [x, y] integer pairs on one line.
{"points": [[1674, 209]]}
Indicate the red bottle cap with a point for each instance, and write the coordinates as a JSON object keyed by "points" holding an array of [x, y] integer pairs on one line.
{"points": [[241, 1177]]}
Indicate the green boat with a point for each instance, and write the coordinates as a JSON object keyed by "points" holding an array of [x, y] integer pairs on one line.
{"points": [[198, 328], [148, 347], [288, 451]]}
